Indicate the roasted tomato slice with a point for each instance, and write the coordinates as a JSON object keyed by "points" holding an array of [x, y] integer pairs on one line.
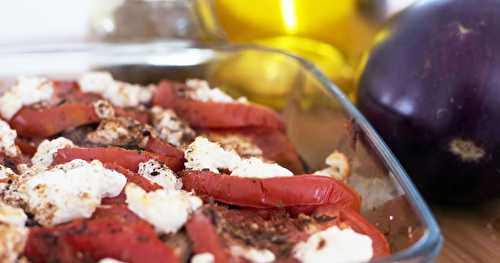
{"points": [[211, 115], [292, 191], [215, 229], [166, 150], [68, 108], [112, 232], [136, 114], [128, 159], [203, 234], [45, 122]]}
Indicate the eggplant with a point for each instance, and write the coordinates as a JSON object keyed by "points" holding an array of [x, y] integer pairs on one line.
{"points": [[431, 88]]}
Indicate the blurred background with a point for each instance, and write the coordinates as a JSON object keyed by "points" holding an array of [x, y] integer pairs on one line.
{"points": [[332, 34]]}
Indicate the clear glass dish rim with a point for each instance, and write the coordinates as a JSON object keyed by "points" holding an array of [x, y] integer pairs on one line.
{"points": [[428, 246]]}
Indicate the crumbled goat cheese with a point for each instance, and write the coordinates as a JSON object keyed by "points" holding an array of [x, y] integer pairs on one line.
{"points": [[253, 254], [12, 242], [170, 127], [8, 140], [69, 191], [256, 168], [121, 131], [103, 109], [44, 155], [240, 144], [203, 258], [201, 91], [160, 174], [27, 91], [338, 166], [335, 245], [119, 93], [110, 260], [205, 155], [7, 176], [5, 172], [11, 215], [167, 210], [13, 233]]}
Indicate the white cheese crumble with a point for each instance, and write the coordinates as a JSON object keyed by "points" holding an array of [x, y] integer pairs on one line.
{"points": [[256, 168], [69, 191], [167, 210], [8, 140], [338, 166], [11, 215], [103, 109], [13, 233], [201, 91], [253, 254], [205, 155], [27, 91], [335, 245], [203, 258], [110, 260], [119, 93], [5, 174], [44, 155], [170, 127], [160, 174], [12, 242]]}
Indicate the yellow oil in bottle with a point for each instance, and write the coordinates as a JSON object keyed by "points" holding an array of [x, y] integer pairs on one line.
{"points": [[331, 34], [339, 23]]}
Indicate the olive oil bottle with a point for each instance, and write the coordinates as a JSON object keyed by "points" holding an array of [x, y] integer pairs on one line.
{"points": [[332, 34]]}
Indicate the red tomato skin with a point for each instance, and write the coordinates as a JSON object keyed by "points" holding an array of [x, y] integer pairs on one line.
{"points": [[212, 115], [204, 236], [128, 159], [117, 234], [43, 123], [164, 94], [109, 155], [303, 190], [166, 150], [140, 116]]}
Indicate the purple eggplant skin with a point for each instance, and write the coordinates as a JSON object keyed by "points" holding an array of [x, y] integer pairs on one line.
{"points": [[432, 91]]}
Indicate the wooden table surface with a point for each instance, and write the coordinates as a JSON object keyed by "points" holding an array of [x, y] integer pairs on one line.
{"points": [[472, 234]]}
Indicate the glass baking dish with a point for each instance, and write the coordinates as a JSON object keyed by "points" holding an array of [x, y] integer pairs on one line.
{"points": [[319, 118]]}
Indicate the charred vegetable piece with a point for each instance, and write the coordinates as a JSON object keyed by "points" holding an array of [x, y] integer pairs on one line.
{"points": [[291, 191], [112, 232], [214, 115], [128, 159]]}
